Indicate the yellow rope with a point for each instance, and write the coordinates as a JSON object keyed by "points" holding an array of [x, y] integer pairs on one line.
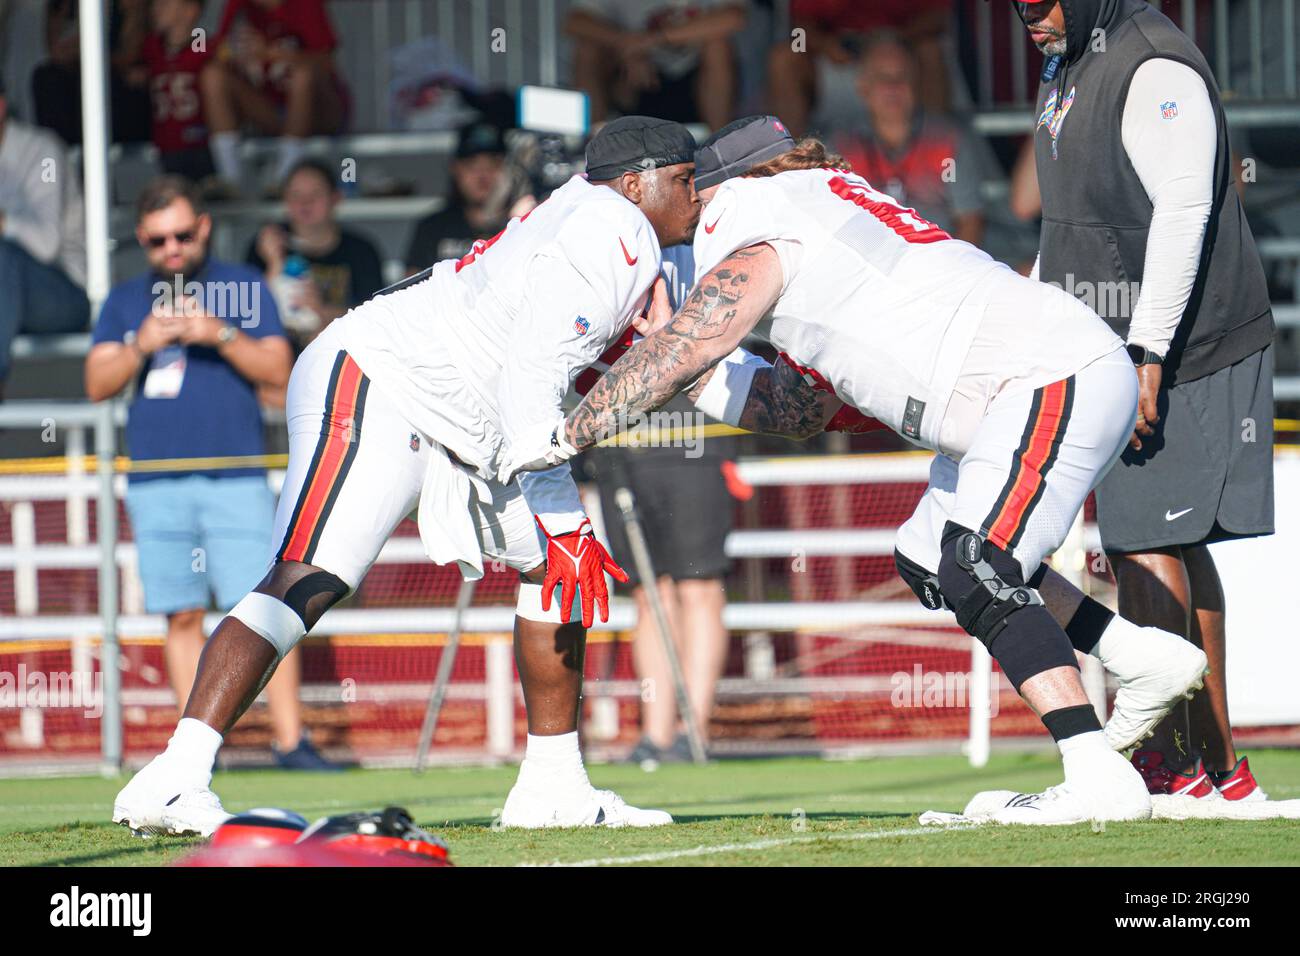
{"points": [[637, 437]]}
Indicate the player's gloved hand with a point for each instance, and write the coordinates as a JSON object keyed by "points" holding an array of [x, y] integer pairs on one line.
{"points": [[849, 419], [545, 448], [577, 561]]}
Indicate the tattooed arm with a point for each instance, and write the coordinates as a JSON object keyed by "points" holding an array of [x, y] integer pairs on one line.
{"points": [[776, 399], [781, 403], [724, 307]]}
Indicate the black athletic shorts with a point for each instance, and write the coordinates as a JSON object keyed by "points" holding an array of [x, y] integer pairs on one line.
{"points": [[685, 510], [1207, 473]]}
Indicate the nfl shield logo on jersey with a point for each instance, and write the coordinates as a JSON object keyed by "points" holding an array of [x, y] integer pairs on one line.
{"points": [[581, 325], [1169, 110]]}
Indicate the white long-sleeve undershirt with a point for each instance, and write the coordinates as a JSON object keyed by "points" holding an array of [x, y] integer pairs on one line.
{"points": [[1169, 132]]}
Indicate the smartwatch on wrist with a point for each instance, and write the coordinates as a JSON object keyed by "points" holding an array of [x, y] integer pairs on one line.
{"points": [[226, 335], [132, 341], [1141, 355]]}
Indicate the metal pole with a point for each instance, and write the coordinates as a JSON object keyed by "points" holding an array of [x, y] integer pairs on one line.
{"points": [[982, 690], [626, 502], [1288, 47], [109, 651], [445, 663], [95, 121], [548, 67]]}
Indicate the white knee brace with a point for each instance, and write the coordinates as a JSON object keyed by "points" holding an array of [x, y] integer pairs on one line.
{"points": [[273, 620]]}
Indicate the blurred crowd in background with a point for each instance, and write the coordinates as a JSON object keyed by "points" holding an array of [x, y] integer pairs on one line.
{"points": [[888, 83]]}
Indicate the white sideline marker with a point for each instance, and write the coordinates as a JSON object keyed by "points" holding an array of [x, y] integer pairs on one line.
{"points": [[704, 850]]}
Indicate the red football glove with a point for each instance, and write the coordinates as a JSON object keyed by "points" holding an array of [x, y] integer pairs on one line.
{"points": [[849, 419], [577, 561]]}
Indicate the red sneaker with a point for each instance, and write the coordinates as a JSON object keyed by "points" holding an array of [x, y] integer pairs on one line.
{"points": [[1163, 779], [1238, 783]]}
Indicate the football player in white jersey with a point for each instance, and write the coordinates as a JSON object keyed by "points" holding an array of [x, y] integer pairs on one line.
{"points": [[1026, 394], [407, 401]]}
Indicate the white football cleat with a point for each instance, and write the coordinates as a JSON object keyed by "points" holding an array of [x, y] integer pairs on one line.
{"points": [[1100, 786], [142, 803], [532, 810], [1154, 674], [195, 813], [157, 800], [986, 803]]}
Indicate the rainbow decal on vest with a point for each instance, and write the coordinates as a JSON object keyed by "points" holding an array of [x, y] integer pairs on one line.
{"points": [[1052, 117]]}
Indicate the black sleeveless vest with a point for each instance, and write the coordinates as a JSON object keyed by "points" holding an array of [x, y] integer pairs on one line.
{"points": [[1096, 215]]}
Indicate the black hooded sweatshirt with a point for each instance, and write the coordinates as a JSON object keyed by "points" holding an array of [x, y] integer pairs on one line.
{"points": [[1096, 213]]}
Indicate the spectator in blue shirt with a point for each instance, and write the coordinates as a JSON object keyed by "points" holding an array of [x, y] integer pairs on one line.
{"points": [[197, 338]]}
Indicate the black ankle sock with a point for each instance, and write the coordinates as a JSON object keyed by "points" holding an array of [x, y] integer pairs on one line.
{"points": [[1071, 721], [1090, 620]]}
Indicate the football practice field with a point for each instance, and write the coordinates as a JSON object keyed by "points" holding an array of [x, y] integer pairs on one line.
{"points": [[737, 813]]}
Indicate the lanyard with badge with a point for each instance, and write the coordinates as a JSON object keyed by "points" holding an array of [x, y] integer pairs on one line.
{"points": [[166, 373]]}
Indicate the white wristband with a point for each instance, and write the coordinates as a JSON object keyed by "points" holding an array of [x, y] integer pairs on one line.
{"points": [[727, 390]]}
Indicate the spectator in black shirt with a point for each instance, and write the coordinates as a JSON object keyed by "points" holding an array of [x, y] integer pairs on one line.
{"points": [[343, 267], [478, 206]]}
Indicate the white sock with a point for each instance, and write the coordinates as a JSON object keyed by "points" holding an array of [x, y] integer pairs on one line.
{"points": [[193, 750], [292, 149], [553, 763], [1093, 740], [1081, 756], [225, 156]]}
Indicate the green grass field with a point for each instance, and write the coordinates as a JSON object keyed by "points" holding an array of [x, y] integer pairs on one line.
{"points": [[737, 813]]}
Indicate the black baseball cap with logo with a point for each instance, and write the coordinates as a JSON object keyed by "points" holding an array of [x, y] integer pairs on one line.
{"points": [[738, 147], [633, 144], [477, 139]]}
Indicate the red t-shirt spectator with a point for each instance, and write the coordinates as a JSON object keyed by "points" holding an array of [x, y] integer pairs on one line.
{"points": [[174, 92], [855, 16], [290, 25]]}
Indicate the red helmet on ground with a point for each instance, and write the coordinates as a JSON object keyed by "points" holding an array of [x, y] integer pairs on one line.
{"points": [[263, 827], [386, 838]]}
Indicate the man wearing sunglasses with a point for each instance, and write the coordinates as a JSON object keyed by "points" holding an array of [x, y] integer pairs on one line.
{"points": [[1140, 216], [197, 338]]}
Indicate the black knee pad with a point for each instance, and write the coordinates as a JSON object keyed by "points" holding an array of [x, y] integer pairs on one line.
{"points": [[986, 588], [981, 582], [923, 584], [303, 591]]}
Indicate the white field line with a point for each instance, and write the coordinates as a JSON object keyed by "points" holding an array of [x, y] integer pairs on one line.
{"points": [[753, 846]]}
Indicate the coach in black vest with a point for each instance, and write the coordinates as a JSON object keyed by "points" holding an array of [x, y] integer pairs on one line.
{"points": [[1142, 222]]}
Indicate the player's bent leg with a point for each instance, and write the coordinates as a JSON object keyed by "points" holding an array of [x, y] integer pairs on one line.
{"points": [[552, 789], [984, 585], [172, 793], [1155, 670]]}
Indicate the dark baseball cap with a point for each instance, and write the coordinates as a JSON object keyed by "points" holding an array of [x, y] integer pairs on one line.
{"points": [[478, 138], [636, 143], [738, 147]]}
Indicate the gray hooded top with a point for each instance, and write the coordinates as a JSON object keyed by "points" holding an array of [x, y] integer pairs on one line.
{"points": [[1096, 214]]}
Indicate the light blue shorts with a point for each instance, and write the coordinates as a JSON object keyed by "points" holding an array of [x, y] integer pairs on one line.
{"points": [[200, 538]]}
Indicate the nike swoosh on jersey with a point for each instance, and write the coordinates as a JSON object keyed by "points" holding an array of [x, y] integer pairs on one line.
{"points": [[709, 229], [1171, 517], [626, 255]]}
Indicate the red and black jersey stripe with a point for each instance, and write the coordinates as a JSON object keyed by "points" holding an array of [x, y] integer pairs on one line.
{"points": [[340, 438], [1049, 415]]}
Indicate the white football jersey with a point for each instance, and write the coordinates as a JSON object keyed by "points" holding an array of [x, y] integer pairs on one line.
{"points": [[482, 349], [881, 303]]}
